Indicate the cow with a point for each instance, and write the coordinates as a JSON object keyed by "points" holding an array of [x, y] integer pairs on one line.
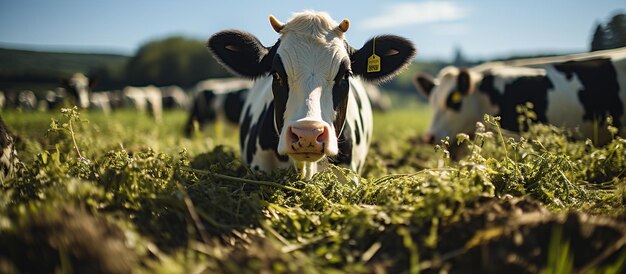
{"points": [[174, 97], [570, 91], [78, 87], [27, 100], [217, 100], [55, 98], [106, 100], [308, 106], [145, 99], [9, 161]]}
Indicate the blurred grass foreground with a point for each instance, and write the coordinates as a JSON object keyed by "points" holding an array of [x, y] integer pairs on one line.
{"points": [[122, 194]]}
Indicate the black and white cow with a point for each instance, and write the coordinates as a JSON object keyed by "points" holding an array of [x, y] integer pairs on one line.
{"points": [[145, 99], [217, 100], [571, 91], [106, 100], [78, 87], [9, 162], [174, 97], [27, 100], [308, 105]]}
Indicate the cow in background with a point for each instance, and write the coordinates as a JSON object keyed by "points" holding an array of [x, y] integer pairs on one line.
{"points": [[571, 91], [27, 100], [174, 97], [217, 100], [380, 101], [145, 99], [78, 87], [106, 101]]}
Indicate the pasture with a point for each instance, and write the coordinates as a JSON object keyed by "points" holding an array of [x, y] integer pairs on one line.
{"points": [[144, 199]]}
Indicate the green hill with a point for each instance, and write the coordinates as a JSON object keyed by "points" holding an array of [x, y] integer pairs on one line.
{"points": [[36, 69]]}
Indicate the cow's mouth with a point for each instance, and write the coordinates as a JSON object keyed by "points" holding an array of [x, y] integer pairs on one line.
{"points": [[306, 156]]}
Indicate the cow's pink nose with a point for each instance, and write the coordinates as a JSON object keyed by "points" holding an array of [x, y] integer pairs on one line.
{"points": [[308, 138]]}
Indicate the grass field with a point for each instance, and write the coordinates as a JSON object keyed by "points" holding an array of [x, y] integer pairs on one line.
{"points": [[144, 199]]}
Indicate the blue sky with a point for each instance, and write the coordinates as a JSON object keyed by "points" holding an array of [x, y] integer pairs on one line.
{"points": [[481, 28]]}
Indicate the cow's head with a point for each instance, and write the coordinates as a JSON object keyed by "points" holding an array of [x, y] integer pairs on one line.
{"points": [[312, 66], [461, 97], [78, 87], [455, 104]]}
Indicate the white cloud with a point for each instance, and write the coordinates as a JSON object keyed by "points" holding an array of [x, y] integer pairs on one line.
{"points": [[405, 14]]}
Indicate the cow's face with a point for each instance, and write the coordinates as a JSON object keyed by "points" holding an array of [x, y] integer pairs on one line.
{"points": [[312, 66], [455, 106]]}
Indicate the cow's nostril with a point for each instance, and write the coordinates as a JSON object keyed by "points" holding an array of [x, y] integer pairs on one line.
{"points": [[293, 137], [323, 135]]}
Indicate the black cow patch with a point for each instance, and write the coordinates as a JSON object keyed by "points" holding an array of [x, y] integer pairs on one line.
{"points": [[268, 137], [341, 88], [202, 111], [233, 105], [344, 157], [600, 94], [357, 132], [280, 90], [263, 131], [533, 89]]}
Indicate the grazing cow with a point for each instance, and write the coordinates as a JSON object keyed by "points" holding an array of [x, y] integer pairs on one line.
{"points": [[145, 99], [9, 162], [308, 104], [54, 98], [78, 87], [217, 100], [105, 101], [27, 100], [571, 91], [174, 97]]}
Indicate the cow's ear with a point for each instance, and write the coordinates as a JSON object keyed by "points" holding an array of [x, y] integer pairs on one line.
{"points": [[464, 82], [240, 52], [394, 52], [424, 84]]}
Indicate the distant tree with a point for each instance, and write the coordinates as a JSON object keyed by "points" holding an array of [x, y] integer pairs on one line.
{"points": [[597, 43], [610, 36], [617, 30], [459, 60], [173, 61]]}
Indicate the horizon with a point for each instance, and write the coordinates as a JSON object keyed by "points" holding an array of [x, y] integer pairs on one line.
{"points": [[437, 28]]}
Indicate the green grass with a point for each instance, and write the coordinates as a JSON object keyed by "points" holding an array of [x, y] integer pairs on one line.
{"points": [[155, 202]]}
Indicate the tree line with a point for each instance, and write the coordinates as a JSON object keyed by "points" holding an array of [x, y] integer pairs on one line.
{"points": [[171, 61], [183, 61], [611, 34]]}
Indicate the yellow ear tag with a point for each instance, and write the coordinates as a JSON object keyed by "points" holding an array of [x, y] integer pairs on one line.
{"points": [[373, 62], [456, 97]]}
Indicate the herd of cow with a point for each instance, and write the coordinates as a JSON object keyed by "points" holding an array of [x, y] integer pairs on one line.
{"points": [[306, 101]]}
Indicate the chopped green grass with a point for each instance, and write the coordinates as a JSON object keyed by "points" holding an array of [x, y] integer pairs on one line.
{"points": [[190, 205]]}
